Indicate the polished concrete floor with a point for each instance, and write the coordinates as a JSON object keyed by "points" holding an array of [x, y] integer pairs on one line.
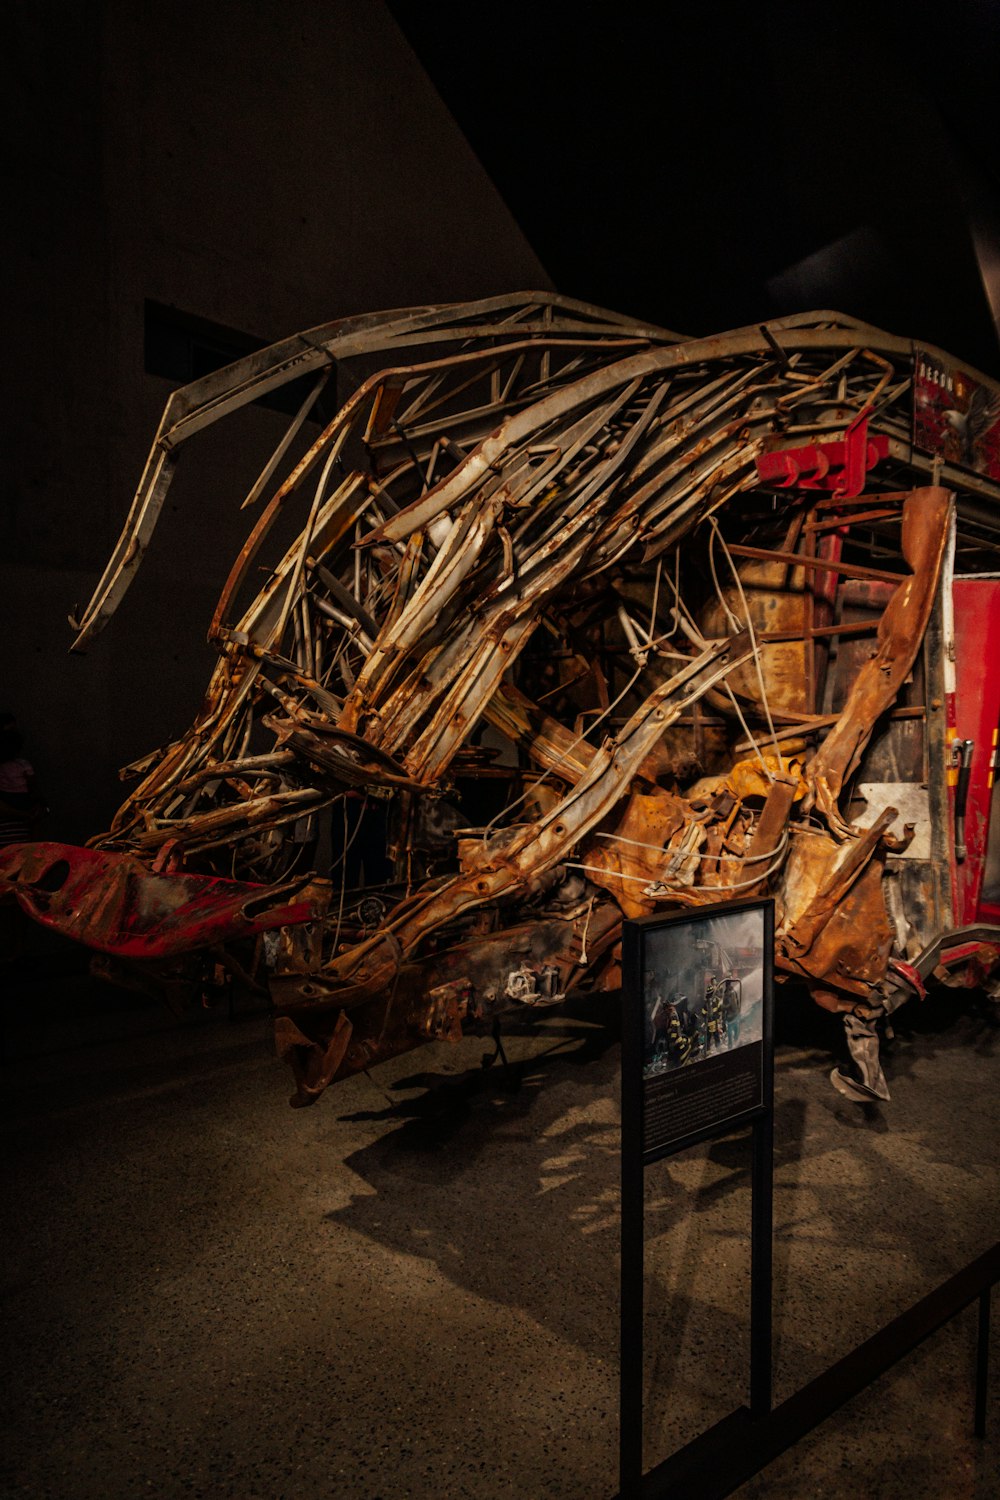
{"points": [[410, 1290]]}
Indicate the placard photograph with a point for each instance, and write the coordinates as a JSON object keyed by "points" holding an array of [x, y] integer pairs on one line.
{"points": [[703, 989], [701, 1034]]}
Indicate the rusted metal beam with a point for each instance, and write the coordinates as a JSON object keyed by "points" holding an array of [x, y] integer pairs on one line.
{"points": [[815, 564]]}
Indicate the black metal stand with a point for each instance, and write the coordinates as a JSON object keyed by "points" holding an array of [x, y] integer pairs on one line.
{"points": [[633, 1181], [717, 1462], [632, 1482], [728, 1454], [741, 1444], [489, 1058], [761, 1265], [982, 1361], [720, 1460], [630, 1380], [706, 1102]]}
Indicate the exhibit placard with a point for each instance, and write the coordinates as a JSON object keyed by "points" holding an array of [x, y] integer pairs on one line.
{"points": [[698, 986]]}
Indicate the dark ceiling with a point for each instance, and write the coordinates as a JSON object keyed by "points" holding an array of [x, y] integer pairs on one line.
{"points": [[711, 166]]}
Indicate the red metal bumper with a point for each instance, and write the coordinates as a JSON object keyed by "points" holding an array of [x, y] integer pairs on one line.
{"points": [[116, 904]]}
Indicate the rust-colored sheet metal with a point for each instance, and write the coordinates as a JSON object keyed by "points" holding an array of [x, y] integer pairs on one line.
{"points": [[842, 939], [568, 632], [927, 520]]}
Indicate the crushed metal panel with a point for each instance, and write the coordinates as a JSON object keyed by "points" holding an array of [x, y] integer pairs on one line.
{"points": [[913, 810]]}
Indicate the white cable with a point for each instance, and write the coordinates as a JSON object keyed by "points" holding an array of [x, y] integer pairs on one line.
{"points": [[740, 885], [749, 733], [586, 929], [745, 859], [730, 614], [690, 628], [736, 625], [600, 870], [753, 635]]}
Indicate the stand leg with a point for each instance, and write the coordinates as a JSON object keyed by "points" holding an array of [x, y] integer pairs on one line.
{"points": [[630, 1398], [761, 1266], [633, 1185], [490, 1058], [982, 1361]]}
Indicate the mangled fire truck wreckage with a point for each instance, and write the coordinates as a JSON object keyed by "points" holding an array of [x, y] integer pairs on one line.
{"points": [[583, 620]]}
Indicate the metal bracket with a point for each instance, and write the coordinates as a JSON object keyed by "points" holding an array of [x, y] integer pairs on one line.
{"points": [[838, 466]]}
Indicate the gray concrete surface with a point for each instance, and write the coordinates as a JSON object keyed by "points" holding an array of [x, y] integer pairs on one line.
{"points": [[412, 1292]]}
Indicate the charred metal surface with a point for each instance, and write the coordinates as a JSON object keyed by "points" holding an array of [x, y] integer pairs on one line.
{"points": [[582, 620]]}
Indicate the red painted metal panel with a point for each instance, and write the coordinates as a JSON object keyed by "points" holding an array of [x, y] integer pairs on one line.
{"points": [[955, 415], [116, 904], [839, 466], [977, 714]]}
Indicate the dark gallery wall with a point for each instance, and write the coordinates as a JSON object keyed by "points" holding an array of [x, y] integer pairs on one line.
{"points": [[707, 166], [265, 166]]}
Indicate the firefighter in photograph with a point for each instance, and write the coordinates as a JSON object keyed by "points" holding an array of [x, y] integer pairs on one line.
{"points": [[715, 1026], [691, 1028], [678, 1040], [732, 1002], [656, 1028]]}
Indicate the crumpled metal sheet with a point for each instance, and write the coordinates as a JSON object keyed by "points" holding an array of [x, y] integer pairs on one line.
{"points": [[115, 903], [546, 650], [926, 523]]}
